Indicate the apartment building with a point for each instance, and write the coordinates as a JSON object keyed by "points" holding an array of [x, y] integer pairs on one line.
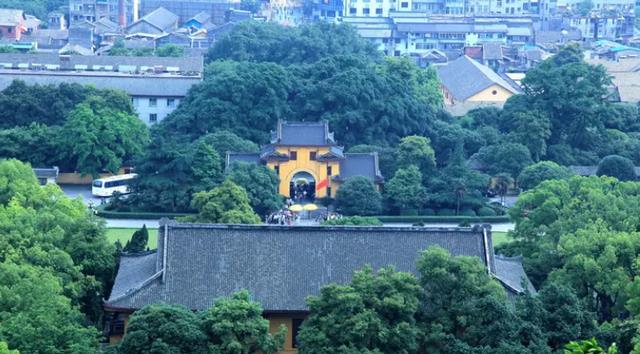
{"points": [[156, 85]]}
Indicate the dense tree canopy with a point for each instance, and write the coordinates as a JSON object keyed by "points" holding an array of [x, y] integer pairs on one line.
{"points": [[358, 196], [226, 204], [617, 166], [532, 175], [261, 184]]}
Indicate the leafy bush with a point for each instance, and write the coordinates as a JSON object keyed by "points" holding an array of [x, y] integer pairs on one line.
{"points": [[354, 220], [446, 212], [486, 211], [467, 212]]}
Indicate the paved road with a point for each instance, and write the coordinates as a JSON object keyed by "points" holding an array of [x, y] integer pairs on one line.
{"points": [[84, 192], [137, 223]]}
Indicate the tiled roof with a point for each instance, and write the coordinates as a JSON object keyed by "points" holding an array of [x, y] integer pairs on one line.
{"points": [[150, 86], [160, 18], [252, 157], [42, 172], [465, 77], [201, 17], [584, 170], [492, 51], [302, 134], [11, 17], [510, 273], [360, 164], [279, 265]]}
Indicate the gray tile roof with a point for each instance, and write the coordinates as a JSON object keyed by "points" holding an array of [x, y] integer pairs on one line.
{"points": [[11, 17], [185, 64], [302, 133], [160, 18], [360, 164], [201, 17], [279, 265], [510, 273], [465, 77], [43, 172], [584, 170], [251, 157], [151, 86], [492, 51]]}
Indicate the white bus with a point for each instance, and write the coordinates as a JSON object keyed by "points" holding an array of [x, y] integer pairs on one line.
{"points": [[105, 187]]}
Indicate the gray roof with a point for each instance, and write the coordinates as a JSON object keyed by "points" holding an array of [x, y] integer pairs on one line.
{"points": [[302, 134], [465, 77], [185, 65], [150, 86], [510, 273], [584, 170], [251, 157], [42, 172], [160, 18], [201, 17], [360, 164], [279, 265], [11, 17], [492, 51]]}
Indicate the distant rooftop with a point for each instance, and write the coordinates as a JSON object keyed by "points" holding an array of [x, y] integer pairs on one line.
{"points": [[465, 77], [11, 17], [102, 65]]}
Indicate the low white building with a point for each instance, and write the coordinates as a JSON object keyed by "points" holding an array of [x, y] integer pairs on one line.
{"points": [[156, 85]]}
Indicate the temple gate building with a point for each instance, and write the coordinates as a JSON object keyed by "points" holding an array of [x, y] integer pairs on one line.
{"points": [[308, 160]]}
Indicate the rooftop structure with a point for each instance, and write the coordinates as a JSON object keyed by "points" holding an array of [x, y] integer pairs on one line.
{"points": [[158, 21], [188, 9], [467, 84], [280, 266], [155, 84], [305, 155]]}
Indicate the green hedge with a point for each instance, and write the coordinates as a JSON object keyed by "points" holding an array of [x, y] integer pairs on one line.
{"points": [[443, 219], [107, 214]]}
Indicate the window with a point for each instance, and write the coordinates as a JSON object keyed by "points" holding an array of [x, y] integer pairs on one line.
{"points": [[329, 192], [293, 155], [313, 155], [153, 117], [9, 29], [404, 4], [352, 11], [329, 171], [171, 102], [366, 11], [494, 92], [378, 11], [277, 169], [295, 324], [153, 102]]}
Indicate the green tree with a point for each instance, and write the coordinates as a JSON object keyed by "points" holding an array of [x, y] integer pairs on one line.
{"points": [[103, 137], [139, 241], [353, 220], [34, 143], [589, 346], [531, 129], [170, 50], [164, 329], [404, 192], [617, 166], [261, 184], [42, 227], [206, 166], [268, 42], [358, 196], [373, 314], [246, 99], [503, 181], [4, 349], [533, 175], [572, 94], [226, 204], [416, 150], [37, 317], [236, 325], [423, 81], [224, 141], [508, 158], [463, 309]]}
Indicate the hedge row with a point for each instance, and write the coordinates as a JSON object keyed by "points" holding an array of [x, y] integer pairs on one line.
{"points": [[431, 219], [107, 214]]}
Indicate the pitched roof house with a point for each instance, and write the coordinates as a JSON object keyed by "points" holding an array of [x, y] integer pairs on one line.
{"points": [[308, 151], [280, 266], [467, 84], [158, 21], [12, 23]]}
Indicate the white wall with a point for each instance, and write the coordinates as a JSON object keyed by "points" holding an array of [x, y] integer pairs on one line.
{"points": [[145, 107]]}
